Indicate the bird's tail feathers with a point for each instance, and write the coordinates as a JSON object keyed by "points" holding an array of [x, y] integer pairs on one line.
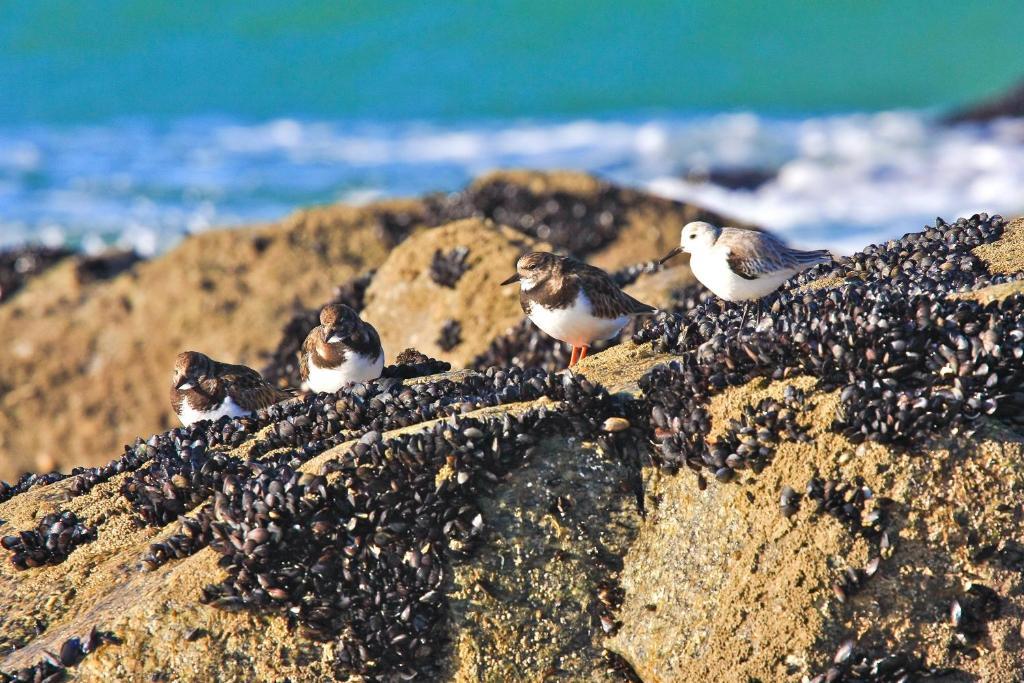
{"points": [[811, 258]]}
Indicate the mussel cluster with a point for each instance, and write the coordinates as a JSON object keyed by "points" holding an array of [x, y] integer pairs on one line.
{"points": [[450, 335], [856, 664], [411, 363], [447, 267], [750, 441], [908, 359], [27, 481], [17, 266], [361, 552], [52, 667], [53, 539], [570, 222]]}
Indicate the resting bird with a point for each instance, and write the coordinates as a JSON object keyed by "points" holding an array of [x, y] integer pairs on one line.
{"points": [[572, 301], [205, 389], [341, 350]]}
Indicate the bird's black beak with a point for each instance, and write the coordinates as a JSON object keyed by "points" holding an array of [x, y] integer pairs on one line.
{"points": [[182, 381], [514, 278], [674, 252]]}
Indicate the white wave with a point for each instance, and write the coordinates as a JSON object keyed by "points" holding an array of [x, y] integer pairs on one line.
{"points": [[837, 181]]}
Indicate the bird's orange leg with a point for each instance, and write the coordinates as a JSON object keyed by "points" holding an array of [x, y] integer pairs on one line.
{"points": [[575, 356], [583, 353]]}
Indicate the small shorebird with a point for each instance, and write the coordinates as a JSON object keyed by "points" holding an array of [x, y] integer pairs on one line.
{"points": [[571, 301], [341, 350], [205, 389], [741, 265]]}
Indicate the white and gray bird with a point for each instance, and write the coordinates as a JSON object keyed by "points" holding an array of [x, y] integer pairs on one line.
{"points": [[741, 265]]}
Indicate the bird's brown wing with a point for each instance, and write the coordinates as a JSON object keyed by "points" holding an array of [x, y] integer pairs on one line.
{"points": [[248, 388], [308, 347], [606, 298]]}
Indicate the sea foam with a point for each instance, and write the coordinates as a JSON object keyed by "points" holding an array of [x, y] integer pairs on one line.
{"points": [[835, 181]]}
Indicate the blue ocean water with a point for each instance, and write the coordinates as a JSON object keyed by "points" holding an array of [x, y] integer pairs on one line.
{"points": [[139, 122]]}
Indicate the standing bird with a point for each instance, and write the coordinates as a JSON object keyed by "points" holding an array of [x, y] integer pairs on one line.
{"points": [[205, 389], [572, 301], [341, 350], [741, 265]]}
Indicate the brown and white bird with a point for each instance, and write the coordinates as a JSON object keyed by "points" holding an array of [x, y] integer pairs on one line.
{"points": [[205, 389], [571, 301], [341, 350]]}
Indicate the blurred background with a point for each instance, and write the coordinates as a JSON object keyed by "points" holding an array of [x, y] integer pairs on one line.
{"points": [[135, 123]]}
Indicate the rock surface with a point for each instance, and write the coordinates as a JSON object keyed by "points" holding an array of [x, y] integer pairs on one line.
{"points": [[720, 581], [535, 528]]}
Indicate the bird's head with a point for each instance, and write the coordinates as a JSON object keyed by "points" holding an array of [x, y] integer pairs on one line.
{"points": [[694, 238], [190, 368], [533, 268], [338, 323]]}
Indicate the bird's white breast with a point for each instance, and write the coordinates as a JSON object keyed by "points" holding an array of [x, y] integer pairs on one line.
{"points": [[356, 368], [575, 324], [711, 268], [190, 415]]}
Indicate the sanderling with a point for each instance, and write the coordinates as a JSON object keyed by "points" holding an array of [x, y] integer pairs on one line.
{"points": [[205, 389], [572, 301], [341, 350], [741, 265]]}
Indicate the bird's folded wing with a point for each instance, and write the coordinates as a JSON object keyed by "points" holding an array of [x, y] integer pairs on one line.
{"points": [[754, 254], [606, 299], [248, 388], [307, 349]]}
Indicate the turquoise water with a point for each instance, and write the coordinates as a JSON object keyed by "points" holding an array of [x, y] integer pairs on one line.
{"points": [[137, 122], [74, 61]]}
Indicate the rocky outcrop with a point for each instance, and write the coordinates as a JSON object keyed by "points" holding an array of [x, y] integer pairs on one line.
{"points": [[92, 353], [92, 357], [832, 495], [721, 580], [1007, 104]]}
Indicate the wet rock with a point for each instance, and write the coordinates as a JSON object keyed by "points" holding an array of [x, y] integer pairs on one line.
{"points": [[17, 266], [1005, 105], [105, 265]]}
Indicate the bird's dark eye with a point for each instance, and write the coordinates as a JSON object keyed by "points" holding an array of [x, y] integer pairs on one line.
{"points": [[692, 237]]}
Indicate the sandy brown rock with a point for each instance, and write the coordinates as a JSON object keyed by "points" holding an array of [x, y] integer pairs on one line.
{"points": [[523, 605], [94, 359], [408, 308], [1006, 255], [721, 587], [526, 607]]}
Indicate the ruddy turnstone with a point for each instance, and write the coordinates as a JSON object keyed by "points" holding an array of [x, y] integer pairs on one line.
{"points": [[741, 265], [341, 350], [572, 301], [205, 389]]}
